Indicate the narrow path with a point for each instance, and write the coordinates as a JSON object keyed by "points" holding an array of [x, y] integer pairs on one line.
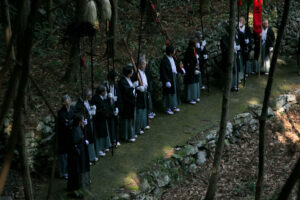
{"points": [[111, 173]]}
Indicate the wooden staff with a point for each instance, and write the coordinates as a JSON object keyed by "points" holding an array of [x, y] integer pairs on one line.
{"points": [[133, 63], [107, 44], [92, 65], [142, 10]]}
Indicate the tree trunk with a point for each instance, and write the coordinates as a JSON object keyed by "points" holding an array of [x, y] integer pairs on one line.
{"points": [[290, 183], [50, 14], [28, 190], [8, 38], [24, 47], [212, 187], [71, 71], [298, 190], [113, 27], [263, 117]]}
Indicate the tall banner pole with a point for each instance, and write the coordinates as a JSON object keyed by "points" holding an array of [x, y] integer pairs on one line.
{"points": [[257, 26]]}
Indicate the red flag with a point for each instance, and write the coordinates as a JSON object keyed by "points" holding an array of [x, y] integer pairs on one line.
{"points": [[257, 12], [239, 2]]}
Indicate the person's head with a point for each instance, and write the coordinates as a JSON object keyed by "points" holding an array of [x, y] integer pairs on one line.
{"points": [[170, 50], [128, 71], [78, 120], [142, 62], [265, 23], [192, 43], [66, 100], [101, 90], [242, 21], [112, 77], [198, 35], [87, 94]]}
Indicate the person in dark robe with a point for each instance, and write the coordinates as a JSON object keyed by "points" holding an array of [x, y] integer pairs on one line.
{"points": [[298, 56], [113, 118], [103, 143], [245, 40], [64, 128], [191, 78], [168, 76], [237, 66], [78, 159], [85, 108], [267, 44], [141, 115], [180, 88], [202, 53], [127, 104]]}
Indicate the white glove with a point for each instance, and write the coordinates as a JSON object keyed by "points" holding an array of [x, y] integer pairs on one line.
{"points": [[247, 41], [92, 112], [197, 72], [135, 84], [236, 47], [86, 142], [110, 95], [203, 43], [198, 45], [93, 107], [116, 112], [183, 70], [115, 98], [168, 84], [205, 57], [141, 88], [271, 49], [85, 122]]}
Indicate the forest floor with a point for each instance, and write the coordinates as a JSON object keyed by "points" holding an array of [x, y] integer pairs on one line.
{"points": [[111, 173], [240, 160]]}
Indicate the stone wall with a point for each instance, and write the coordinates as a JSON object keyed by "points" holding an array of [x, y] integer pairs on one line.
{"points": [[187, 159]]}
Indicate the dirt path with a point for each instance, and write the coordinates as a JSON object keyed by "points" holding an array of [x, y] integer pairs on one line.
{"points": [[110, 173]]}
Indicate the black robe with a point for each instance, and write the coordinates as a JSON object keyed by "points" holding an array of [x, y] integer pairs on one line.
{"points": [[190, 63], [102, 113], [64, 128], [88, 129], [269, 42], [113, 120], [141, 97], [245, 48], [78, 159], [127, 99], [238, 54], [166, 75]]}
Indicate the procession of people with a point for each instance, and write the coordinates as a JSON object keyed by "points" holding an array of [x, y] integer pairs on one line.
{"points": [[121, 109]]}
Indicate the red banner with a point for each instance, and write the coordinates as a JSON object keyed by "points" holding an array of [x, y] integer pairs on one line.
{"points": [[257, 12], [239, 2]]}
